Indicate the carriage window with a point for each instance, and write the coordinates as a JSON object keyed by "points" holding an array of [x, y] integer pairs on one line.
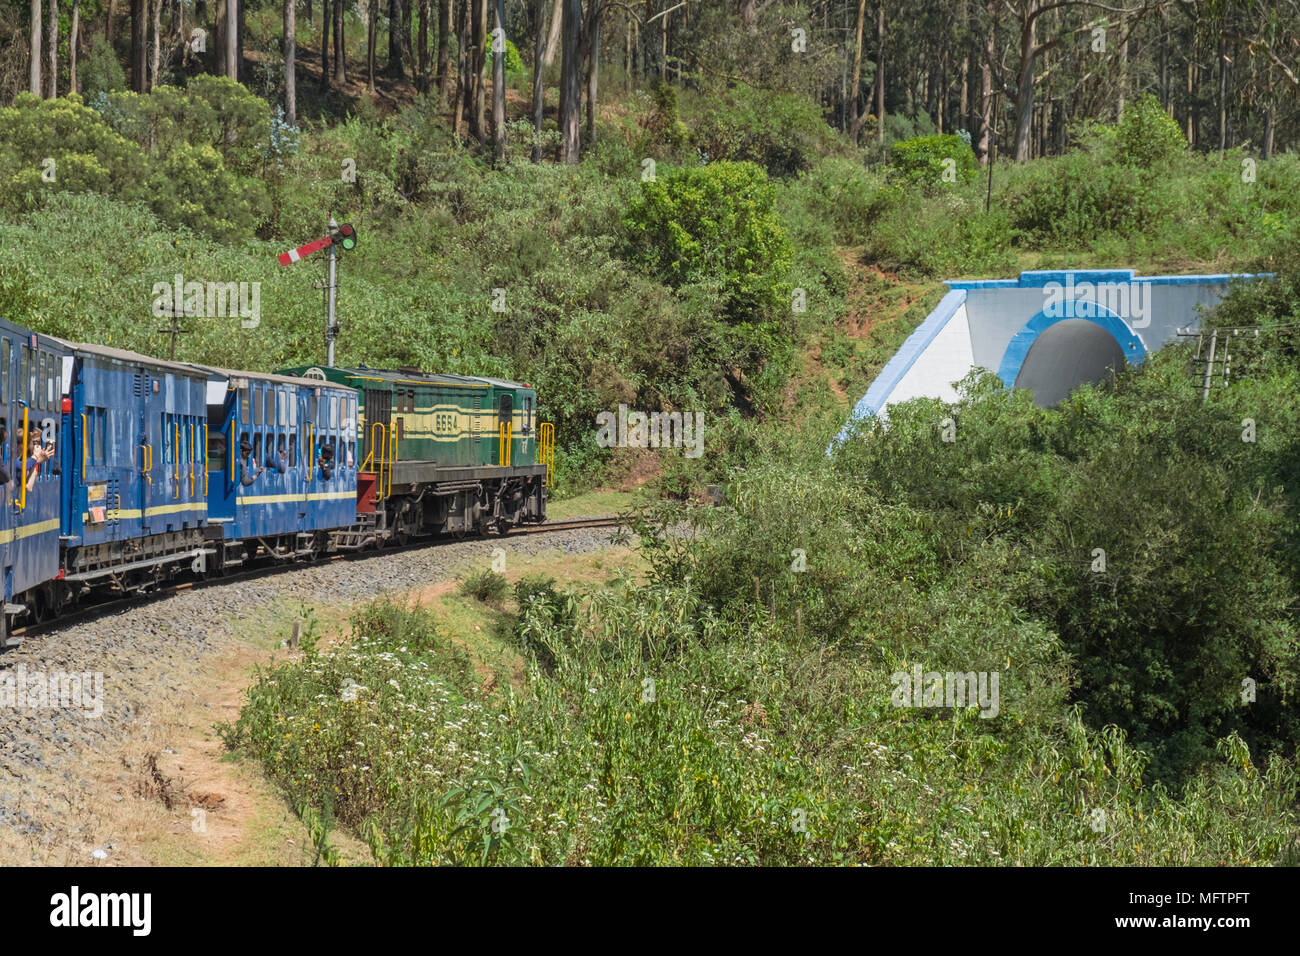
{"points": [[257, 449], [270, 405], [334, 411], [311, 408], [293, 451], [32, 394], [293, 410], [52, 392], [527, 417], [6, 359], [37, 398], [216, 450], [352, 453], [257, 408], [244, 397], [23, 358], [282, 407]]}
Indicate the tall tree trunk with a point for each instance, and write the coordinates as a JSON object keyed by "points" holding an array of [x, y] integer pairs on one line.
{"points": [[986, 92], [1123, 68], [35, 87], [290, 63], [155, 51], [478, 56], [591, 40], [880, 72], [444, 51], [73, 39], [1222, 94], [553, 32], [326, 22], [372, 33], [462, 63], [53, 40], [539, 8], [139, 46], [571, 81], [1025, 92], [856, 119], [232, 38], [408, 54], [499, 85], [109, 23], [240, 32], [340, 45], [422, 54], [396, 65]]}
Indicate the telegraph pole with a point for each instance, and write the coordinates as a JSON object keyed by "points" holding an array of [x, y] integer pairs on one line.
{"points": [[175, 331], [1209, 367]]}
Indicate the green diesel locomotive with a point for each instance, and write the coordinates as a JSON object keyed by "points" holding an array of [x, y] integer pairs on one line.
{"points": [[443, 454]]}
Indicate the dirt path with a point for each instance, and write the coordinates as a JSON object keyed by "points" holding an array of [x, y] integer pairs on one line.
{"points": [[151, 783]]}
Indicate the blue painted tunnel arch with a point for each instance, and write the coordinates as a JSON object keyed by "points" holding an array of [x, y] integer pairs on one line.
{"points": [[1129, 342]]}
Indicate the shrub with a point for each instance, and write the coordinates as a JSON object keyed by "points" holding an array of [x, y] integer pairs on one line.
{"points": [[87, 154], [514, 62], [932, 162], [486, 586], [782, 132], [100, 71], [1147, 135], [714, 225]]}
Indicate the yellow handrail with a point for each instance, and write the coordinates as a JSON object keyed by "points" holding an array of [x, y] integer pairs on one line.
{"points": [[206, 478], [311, 452], [232, 452], [26, 441], [546, 450], [392, 460], [192, 456], [503, 455], [176, 455], [83, 448]]}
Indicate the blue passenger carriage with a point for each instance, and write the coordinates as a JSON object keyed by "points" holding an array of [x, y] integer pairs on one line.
{"points": [[282, 464], [31, 408], [134, 479]]}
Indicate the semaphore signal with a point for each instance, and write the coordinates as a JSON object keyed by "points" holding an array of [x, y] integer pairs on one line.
{"points": [[344, 236]]}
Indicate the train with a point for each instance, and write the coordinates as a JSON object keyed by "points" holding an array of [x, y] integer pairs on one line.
{"points": [[125, 471]]}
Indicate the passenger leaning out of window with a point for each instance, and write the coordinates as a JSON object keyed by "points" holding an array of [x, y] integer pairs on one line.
{"points": [[326, 462], [39, 456], [248, 470]]}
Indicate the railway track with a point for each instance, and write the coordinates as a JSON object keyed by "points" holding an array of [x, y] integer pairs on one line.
{"points": [[114, 603]]}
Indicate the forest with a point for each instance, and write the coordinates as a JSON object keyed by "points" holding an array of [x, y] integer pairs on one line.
{"points": [[740, 207]]}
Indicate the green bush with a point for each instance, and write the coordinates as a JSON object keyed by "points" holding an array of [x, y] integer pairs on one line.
{"points": [[514, 62], [87, 155], [1147, 135], [100, 71], [1073, 200], [714, 225], [933, 162], [486, 586], [782, 132]]}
